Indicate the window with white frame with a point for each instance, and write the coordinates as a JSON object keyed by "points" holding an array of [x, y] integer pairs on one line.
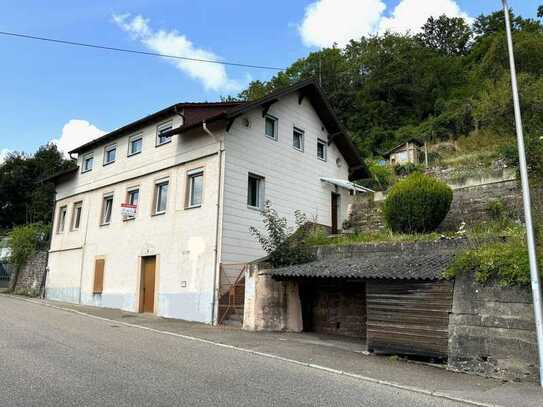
{"points": [[255, 191], [161, 137], [88, 161], [135, 144], [270, 127], [61, 218], [160, 197], [107, 209], [76, 215], [110, 153], [298, 139], [195, 187], [321, 149], [132, 198]]}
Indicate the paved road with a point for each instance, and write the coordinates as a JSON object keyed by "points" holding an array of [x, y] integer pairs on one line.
{"points": [[50, 357]]}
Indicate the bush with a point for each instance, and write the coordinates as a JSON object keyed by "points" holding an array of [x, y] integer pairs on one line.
{"points": [[283, 245], [403, 170], [25, 241], [381, 175], [417, 204], [504, 262]]}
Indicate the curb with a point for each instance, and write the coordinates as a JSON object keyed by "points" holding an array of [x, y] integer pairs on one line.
{"points": [[368, 379]]}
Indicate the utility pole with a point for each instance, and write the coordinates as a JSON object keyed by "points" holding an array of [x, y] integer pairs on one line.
{"points": [[534, 272]]}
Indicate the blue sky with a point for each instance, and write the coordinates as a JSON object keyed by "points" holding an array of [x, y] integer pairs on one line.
{"points": [[45, 86]]}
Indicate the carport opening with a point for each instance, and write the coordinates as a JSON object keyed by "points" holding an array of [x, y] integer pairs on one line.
{"points": [[332, 306]]}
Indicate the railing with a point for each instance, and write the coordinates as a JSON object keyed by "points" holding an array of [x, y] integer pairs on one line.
{"points": [[232, 291]]}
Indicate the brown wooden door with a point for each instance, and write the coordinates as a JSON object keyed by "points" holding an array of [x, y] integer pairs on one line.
{"points": [[147, 297], [335, 199]]}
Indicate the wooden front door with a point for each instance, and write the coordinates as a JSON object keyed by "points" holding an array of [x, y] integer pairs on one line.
{"points": [[335, 201], [147, 294]]}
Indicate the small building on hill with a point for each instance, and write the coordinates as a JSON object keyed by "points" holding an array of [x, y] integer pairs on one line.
{"points": [[412, 151]]}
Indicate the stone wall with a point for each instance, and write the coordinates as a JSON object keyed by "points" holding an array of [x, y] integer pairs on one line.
{"points": [[470, 205], [30, 278], [492, 331]]}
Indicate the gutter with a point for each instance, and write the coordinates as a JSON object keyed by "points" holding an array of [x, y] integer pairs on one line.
{"points": [[216, 274]]}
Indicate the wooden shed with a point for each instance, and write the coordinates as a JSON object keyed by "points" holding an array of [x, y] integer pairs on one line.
{"points": [[406, 299]]}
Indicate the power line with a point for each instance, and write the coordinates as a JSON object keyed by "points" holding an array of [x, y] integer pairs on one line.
{"points": [[133, 51]]}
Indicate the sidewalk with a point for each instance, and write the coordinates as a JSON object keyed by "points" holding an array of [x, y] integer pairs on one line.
{"points": [[343, 356]]}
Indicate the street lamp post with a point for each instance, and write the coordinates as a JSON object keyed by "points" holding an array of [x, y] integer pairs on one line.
{"points": [[534, 273]]}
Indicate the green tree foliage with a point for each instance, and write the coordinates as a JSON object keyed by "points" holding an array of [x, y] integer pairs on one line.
{"points": [[23, 198], [283, 245], [417, 204], [450, 36], [388, 88]]}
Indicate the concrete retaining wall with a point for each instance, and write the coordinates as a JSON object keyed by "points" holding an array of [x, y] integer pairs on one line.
{"points": [[270, 305], [492, 331]]}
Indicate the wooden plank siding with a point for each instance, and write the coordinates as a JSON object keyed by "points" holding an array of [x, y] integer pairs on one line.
{"points": [[409, 317]]}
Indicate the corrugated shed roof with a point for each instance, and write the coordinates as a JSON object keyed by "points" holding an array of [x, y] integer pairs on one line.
{"points": [[400, 265]]}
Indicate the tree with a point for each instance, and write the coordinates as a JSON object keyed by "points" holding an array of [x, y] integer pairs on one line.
{"points": [[23, 198], [540, 11], [448, 35], [495, 22]]}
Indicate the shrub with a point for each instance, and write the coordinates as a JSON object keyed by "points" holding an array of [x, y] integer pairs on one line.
{"points": [[283, 245], [417, 204], [504, 262], [381, 175], [403, 170], [25, 240]]}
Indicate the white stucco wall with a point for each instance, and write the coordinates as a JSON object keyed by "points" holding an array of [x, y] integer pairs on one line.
{"points": [[292, 178], [182, 239]]}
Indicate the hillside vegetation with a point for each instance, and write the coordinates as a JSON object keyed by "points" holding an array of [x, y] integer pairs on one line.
{"points": [[449, 82]]}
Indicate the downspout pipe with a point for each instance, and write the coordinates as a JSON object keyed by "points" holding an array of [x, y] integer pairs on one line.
{"points": [[216, 275]]}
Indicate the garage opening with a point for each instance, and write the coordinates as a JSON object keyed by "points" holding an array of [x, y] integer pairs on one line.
{"points": [[334, 306]]}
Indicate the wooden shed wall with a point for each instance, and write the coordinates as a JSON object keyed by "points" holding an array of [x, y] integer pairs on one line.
{"points": [[409, 317]]}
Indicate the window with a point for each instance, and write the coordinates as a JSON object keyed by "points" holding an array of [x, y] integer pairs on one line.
{"points": [[255, 191], [61, 218], [321, 150], [161, 129], [107, 207], [110, 153], [88, 160], [195, 188], [298, 139], [135, 144], [76, 215], [161, 197], [132, 198], [271, 127]]}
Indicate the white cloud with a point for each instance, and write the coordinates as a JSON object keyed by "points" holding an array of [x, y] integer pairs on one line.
{"points": [[3, 154], [410, 15], [76, 133], [212, 76], [337, 21]]}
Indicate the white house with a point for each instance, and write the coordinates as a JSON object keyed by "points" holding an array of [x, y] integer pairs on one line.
{"points": [[156, 209]]}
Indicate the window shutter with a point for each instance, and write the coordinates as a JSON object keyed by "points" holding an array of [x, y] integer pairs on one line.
{"points": [[98, 276]]}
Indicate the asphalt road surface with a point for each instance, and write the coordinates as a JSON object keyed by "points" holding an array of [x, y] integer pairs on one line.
{"points": [[50, 357]]}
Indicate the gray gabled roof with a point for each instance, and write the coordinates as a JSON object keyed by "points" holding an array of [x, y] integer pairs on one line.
{"points": [[399, 265]]}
